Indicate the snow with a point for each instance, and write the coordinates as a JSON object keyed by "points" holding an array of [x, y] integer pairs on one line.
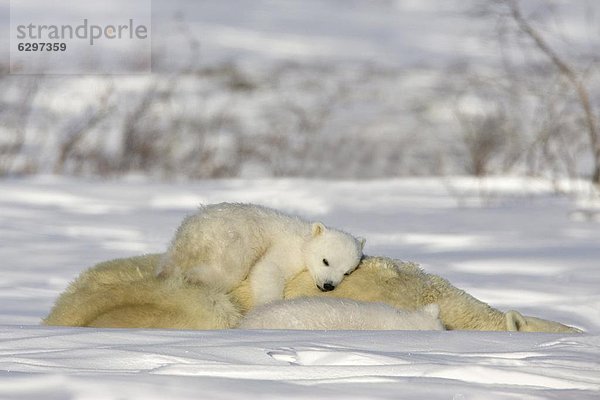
{"points": [[229, 364], [513, 243]]}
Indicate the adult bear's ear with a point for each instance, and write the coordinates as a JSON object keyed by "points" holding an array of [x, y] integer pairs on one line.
{"points": [[515, 322], [317, 229], [362, 242]]}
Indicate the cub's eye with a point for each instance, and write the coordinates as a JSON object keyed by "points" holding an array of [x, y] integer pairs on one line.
{"points": [[326, 262]]}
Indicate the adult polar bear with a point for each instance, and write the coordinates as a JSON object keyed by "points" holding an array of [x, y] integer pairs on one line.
{"points": [[225, 243], [125, 293]]}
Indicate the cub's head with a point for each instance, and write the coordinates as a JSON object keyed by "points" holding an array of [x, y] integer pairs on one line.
{"points": [[331, 254]]}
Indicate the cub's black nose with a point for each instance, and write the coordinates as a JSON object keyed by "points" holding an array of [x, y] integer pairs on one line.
{"points": [[328, 287]]}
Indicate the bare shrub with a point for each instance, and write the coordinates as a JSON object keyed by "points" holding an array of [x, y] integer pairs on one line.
{"points": [[75, 131], [14, 120], [145, 130], [512, 17], [484, 137]]}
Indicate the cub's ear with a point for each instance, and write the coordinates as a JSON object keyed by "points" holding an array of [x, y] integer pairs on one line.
{"points": [[362, 242], [317, 228]]}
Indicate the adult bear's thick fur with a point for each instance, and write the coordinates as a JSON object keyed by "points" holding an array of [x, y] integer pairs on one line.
{"points": [[125, 293]]}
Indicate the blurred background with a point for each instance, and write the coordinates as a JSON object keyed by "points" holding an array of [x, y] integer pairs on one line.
{"points": [[337, 89]]}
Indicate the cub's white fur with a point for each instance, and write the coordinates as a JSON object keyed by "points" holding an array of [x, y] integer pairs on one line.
{"points": [[224, 243], [328, 313]]}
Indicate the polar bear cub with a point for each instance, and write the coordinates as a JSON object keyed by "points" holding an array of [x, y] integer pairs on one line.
{"points": [[339, 314], [225, 243]]}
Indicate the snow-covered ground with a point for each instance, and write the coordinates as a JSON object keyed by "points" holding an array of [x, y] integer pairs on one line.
{"points": [[513, 243]]}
